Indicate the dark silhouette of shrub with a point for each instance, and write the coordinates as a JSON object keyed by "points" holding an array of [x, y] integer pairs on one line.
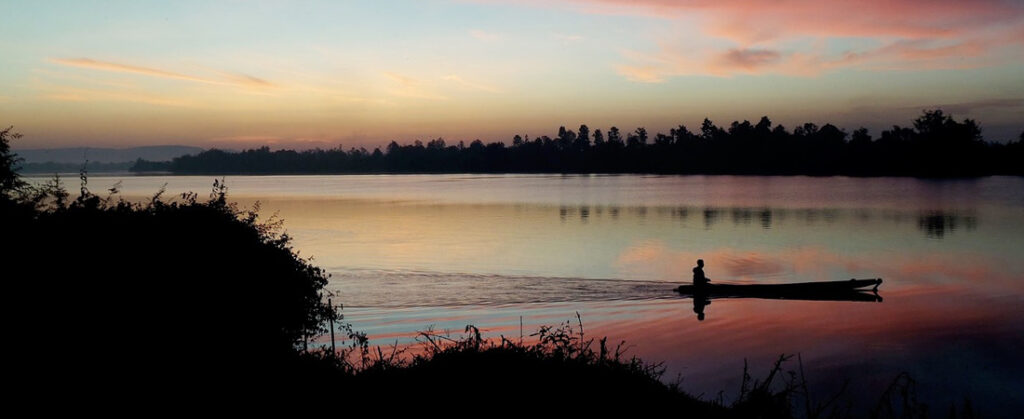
{"points": [[110, 296], [186, 289], [560, 372], [9, 180]]}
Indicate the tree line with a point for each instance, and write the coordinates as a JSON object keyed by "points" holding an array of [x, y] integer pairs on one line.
{"points": [[936, 145]]}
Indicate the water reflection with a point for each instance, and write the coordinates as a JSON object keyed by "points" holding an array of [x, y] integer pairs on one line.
{"points": [[701, 300], [407, 252], [699, 303], [955, 340], [933, 224], [406, 289], [639, 242]]}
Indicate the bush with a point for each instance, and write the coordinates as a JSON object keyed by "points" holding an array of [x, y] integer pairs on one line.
{"points": [[150, 295]]}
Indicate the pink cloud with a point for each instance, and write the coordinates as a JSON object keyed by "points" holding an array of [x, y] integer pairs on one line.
{"points": [[748, 21], [748, 59], [770, 36], [923, 54]]}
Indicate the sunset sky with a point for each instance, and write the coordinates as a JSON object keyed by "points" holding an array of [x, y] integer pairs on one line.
{"points": [[303, 74]]}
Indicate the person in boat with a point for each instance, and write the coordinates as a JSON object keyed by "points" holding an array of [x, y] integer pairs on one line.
{"points": [[699, 279]]}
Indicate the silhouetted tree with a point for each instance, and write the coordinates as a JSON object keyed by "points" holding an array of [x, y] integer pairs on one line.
{"points": [[582, 138], [680, 134], [566, 138], [763, 127], [614, 136], [861, 137], [638, 137], [9, 179], [710, 132], [662, 140], [806, 130]]}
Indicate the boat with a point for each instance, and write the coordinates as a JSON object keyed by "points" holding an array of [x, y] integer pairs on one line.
{"points": [[850, 290]]}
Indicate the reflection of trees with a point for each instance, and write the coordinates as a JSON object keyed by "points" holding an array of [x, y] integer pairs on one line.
{"points": [[934, 224], [710, 217], [765, 216]]}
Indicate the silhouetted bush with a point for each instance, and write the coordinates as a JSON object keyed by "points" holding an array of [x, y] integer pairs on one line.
{"points": [[563, 373], [163, 291], [560, 372], [111, 296]]}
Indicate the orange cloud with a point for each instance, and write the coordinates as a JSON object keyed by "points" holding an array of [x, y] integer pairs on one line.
{"points": [[469, 84], [247, 80], [409, 87], [72, 94], [228, 78]]}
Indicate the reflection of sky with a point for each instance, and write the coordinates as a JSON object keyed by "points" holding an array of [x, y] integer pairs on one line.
{"points": [[408, 252], [622, 191], [649, 228], [955, 341]]}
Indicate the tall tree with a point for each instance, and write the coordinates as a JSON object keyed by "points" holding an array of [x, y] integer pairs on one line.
{"points": [[614, 136], [708, 130], [638, 138], [763, 127], [10, 182], [583, 137], [566, 137]]}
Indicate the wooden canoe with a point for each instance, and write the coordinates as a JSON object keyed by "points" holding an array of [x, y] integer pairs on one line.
{"points": [[799, 290]]}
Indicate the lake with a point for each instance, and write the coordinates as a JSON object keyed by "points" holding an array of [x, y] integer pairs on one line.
{"points": [[412, 252]]}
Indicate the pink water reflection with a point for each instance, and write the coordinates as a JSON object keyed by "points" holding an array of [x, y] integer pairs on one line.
{"points": [[408, 252]]}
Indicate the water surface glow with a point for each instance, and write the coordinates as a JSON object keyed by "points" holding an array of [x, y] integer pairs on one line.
{"points": [[408, 253]]}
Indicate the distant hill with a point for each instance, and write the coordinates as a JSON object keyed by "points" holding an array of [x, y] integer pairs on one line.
{"points": [[72, 168], [78, 155]]}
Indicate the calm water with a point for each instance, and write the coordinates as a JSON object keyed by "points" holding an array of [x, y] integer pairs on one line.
{"points": [[407, 253]]}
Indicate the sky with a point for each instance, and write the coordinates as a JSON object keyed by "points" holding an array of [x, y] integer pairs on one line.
{"points": [[302, 74]]}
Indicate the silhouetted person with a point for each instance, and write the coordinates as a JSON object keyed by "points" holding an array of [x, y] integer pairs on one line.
{"points": [[699, 280]]}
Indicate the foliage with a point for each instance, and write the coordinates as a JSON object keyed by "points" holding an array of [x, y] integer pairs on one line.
{"points": [[561, 371], [937, 145], [149, 294], [9, 179]]}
